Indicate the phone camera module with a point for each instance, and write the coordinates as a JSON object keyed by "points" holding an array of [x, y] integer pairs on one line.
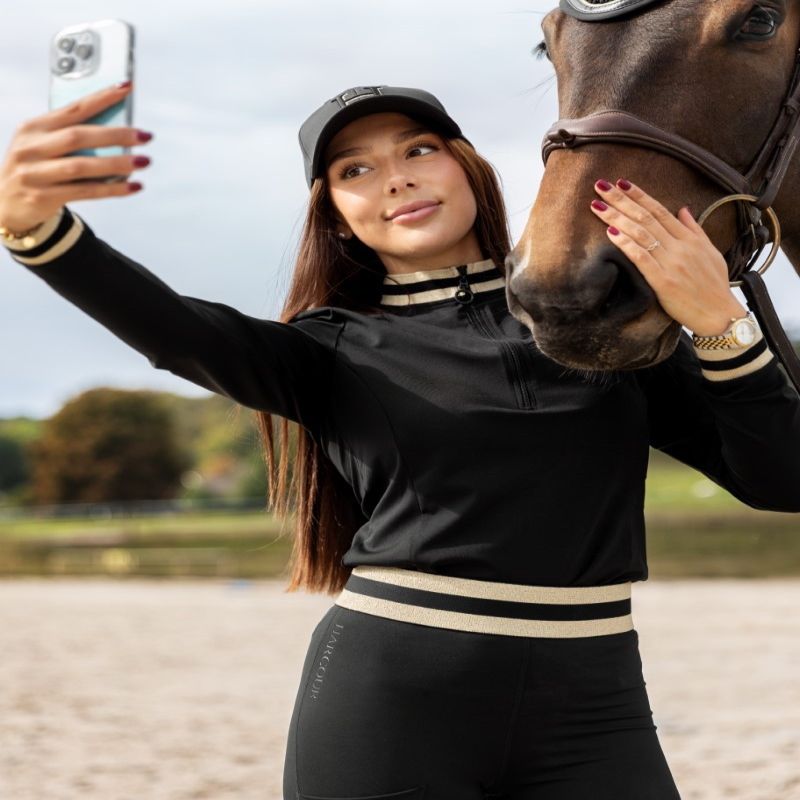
{"points": [[83, 50]]}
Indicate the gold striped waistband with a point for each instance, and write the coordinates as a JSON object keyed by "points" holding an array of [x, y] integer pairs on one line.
{"points": [[509, 609]]}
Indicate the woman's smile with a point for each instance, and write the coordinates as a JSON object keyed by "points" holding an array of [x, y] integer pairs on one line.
{"points": [[413, 216]]}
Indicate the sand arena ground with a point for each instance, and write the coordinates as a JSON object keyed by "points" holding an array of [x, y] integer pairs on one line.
{"points": [[182, 690]]}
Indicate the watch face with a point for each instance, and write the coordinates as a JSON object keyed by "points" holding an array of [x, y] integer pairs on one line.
{"points": [[744, 332]]}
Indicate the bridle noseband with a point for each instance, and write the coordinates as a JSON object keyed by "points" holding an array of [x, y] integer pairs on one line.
{"points": [[766, 172]]}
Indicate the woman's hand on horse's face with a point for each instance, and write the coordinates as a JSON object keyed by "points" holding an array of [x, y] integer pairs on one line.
{"points": [[686, 271]]}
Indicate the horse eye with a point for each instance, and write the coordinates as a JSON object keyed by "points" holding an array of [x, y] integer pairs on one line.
{"points": [[761, 24]]}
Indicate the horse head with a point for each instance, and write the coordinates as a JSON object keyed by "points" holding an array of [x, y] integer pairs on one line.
{"points": [[690, 99]]}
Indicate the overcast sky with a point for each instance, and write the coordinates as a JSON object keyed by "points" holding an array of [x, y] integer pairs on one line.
{"points": [[225, 86]]}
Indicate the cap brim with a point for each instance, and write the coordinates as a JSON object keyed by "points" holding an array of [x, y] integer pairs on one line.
{"points": [[374, 104]]}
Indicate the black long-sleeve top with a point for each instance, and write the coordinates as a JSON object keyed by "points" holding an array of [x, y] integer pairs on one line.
{"points": [[469, 451]]}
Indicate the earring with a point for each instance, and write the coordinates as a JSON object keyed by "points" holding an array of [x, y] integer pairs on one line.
{"points": [[341, 234]]}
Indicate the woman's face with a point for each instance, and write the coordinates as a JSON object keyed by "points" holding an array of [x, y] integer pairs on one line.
{"points": [[400, 162]]}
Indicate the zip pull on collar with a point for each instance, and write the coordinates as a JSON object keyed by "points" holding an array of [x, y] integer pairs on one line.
{"points": [[459, 284], [463, 293]]}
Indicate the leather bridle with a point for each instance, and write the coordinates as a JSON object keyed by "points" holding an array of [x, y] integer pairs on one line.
{"points": [[766, 172]]}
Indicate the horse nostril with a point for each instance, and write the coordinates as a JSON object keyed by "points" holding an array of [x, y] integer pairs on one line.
{"points": [[600, 288], [629, 295], [525, 293], [565, 301]]}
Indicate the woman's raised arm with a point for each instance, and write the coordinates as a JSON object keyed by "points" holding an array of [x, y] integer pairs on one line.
{"points": [[281, 367]]}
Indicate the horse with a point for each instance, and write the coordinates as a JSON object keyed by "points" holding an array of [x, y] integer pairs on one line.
{"points": [[714, 78]]}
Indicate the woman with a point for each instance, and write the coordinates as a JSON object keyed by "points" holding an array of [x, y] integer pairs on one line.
{"points": [[477, 507]]}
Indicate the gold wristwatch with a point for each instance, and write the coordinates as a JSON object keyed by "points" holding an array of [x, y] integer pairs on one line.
{"points": [[741, 332]]}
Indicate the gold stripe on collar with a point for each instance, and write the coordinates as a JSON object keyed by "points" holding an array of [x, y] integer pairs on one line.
{"points": [[416, 285]]}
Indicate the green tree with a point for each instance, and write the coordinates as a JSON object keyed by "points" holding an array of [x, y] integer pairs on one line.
{"points": [[16, 433], [107, 445], [13, 466]]}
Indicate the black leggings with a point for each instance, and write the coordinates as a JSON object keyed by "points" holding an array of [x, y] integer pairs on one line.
{"points": [[388, 708]]}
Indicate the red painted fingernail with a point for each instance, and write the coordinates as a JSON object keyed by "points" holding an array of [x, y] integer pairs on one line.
{"points": [[623, 184], [143, 136], [604, 185], [599, 205], [123, 84], [612, 230], [134, 187]]}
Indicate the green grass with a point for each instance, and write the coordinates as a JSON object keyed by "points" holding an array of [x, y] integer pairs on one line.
{"points": [[222, 524], [671, 488]]}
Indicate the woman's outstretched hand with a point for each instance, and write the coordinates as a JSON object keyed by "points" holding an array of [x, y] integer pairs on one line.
{"points": [[686, 271], [35, 176]]}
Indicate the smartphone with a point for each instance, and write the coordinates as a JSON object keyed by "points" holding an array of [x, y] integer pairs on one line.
{"points": [[85, 58]]}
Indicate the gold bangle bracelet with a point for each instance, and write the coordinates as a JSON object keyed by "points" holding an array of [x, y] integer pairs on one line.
{"points": [[10, 236], [24, 239]]}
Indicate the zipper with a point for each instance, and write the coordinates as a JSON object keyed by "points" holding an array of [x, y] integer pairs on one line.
{"points": [[465, 295]]}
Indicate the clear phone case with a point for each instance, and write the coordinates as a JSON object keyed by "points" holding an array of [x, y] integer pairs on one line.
{"points": [[85, 58]]}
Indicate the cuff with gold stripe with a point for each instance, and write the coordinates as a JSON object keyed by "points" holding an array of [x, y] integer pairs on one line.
{"points": [[734, 362], [56, 235]]}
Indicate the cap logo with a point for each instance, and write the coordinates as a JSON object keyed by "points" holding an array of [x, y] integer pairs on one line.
{"points": [[356, 94]]}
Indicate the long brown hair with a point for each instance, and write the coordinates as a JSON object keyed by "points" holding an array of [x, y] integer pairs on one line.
{"points": [[346, 273]]}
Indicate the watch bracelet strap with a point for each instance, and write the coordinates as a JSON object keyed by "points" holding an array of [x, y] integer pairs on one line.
{"points": [[724, 340]]}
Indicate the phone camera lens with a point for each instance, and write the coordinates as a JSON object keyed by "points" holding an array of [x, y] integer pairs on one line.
{"points": [[66, 44], [83, 50], [65, 64]]}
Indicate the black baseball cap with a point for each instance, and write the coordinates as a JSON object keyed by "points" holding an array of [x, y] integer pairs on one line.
{"points": [[358, 101]]}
